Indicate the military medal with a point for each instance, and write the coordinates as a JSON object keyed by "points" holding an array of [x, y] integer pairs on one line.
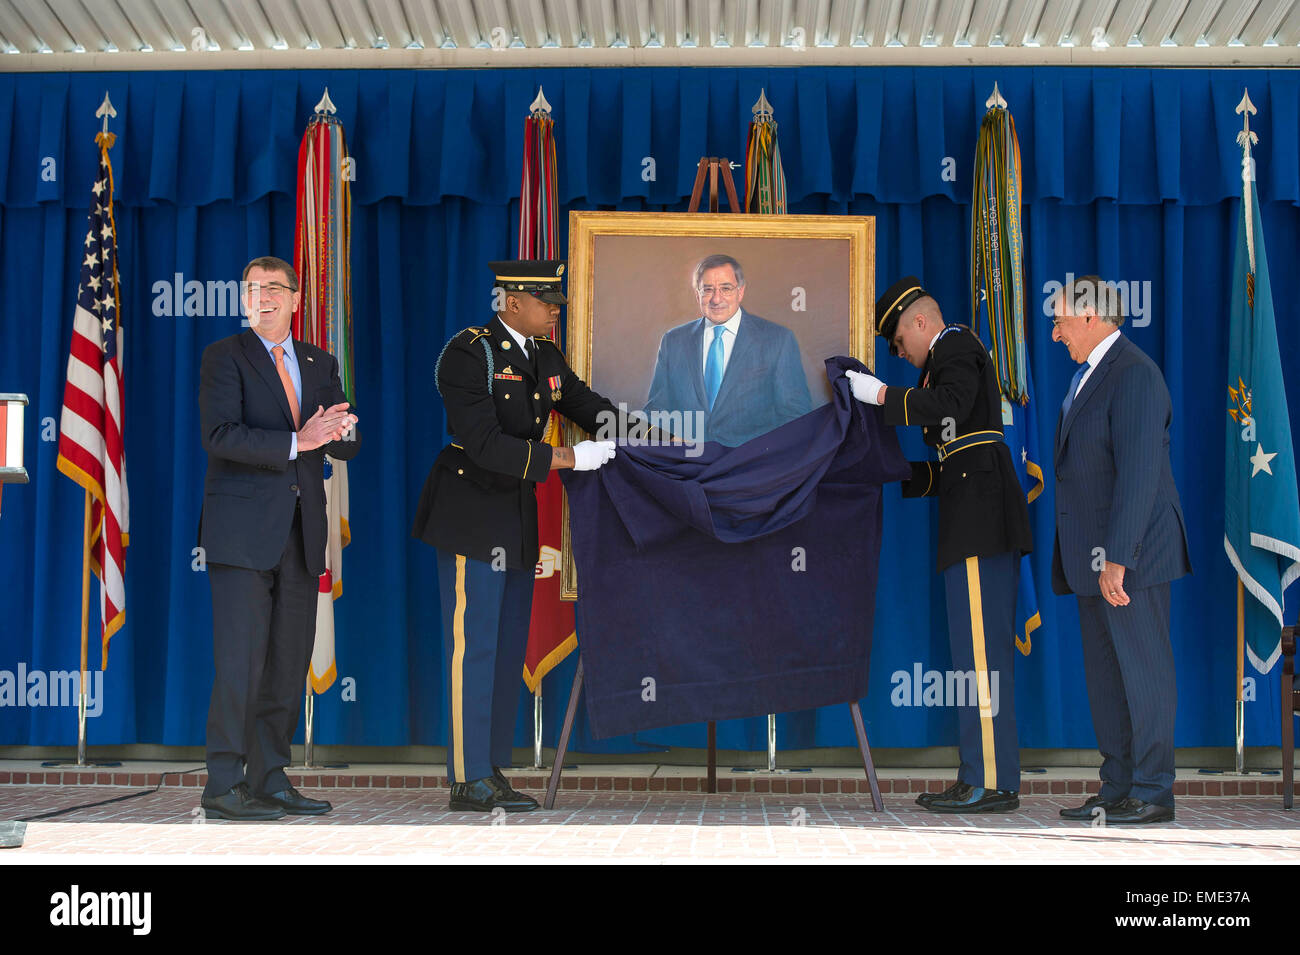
{"points": [[555, 387]]}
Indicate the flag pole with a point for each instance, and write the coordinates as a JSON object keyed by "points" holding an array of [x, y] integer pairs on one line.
{"points": [[85, 627], [1241, 658], [324, 318], [537, 239], [537, 727], [771, 742], [103, 113], [764, 187], [540, 107], [1244, 139], [309, 712]]}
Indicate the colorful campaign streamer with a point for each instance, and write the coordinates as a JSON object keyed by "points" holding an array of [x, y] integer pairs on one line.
{"points": [[764, 176], [997, 248]]}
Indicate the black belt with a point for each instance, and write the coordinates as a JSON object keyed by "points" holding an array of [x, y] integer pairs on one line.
{"points": [[974, 439]]}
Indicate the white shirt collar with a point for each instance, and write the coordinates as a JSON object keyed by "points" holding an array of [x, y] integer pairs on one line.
{"points": [[732, 325], [1103, 346], [519, 339], [935, 339]]}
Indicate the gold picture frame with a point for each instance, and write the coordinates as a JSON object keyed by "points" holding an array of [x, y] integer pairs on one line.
{"points": [[816, 274]]}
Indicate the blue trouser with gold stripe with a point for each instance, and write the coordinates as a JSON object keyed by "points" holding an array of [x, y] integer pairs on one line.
{"points": [[981, 632], [485, 615]]}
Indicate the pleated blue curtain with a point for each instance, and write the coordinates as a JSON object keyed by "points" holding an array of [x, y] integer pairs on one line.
{"points": [[1131, 173]]}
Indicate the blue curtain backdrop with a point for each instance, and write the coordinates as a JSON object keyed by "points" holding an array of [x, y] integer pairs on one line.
{"points": [[1132, 173]]}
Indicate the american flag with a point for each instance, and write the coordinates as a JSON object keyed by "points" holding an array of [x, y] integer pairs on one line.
{"points": [[90, 430]]}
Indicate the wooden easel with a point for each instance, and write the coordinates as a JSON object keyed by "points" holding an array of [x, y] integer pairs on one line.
{"points": [[714, 168]]}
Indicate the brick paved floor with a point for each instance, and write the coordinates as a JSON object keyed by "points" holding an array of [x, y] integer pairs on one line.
{"points": [[641, 827]]}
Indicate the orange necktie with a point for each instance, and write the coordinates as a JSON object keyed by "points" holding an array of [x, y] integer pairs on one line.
{"points": [[285, 380]]}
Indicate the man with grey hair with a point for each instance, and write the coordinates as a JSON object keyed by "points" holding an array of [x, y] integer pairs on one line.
{"points": [[1120, 540], [742, 373]]}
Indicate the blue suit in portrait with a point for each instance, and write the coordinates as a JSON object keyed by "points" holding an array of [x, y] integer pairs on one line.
{"points": [[764, 385], [1116, 501]]}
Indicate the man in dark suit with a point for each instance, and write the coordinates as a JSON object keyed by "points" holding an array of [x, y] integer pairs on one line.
{"points": [[270, 409], [498, 383], [983, 529], [1120, 540], [738, 374]]}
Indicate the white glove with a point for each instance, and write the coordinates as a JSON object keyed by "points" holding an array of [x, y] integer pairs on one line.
{"points": [[589, 455], [866, 388]]}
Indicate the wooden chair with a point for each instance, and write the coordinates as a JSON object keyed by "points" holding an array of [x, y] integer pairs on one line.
{"points": [[1290, 700]]}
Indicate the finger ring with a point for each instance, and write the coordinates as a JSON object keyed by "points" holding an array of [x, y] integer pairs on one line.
{"points": [[1113, 593]]}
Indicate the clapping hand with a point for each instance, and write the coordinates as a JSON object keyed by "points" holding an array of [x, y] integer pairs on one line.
{"points": [[326, 425]]}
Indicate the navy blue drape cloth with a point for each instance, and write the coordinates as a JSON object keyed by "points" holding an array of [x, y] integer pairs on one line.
{"points": [[1132, 173], [716, 583]]}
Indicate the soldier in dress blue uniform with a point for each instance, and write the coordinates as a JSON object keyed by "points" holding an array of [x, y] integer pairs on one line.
{"points": [[983, 527], [498, 383]]}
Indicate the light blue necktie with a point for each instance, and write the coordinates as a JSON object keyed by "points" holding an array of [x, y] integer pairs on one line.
{"points": [[713, 367], [1074, 386]]}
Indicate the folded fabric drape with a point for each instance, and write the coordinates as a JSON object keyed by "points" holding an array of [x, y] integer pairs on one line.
{"points": [[718, 582]]}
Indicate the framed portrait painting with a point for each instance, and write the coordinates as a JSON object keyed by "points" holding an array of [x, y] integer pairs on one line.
{"points": [[716, 326]]}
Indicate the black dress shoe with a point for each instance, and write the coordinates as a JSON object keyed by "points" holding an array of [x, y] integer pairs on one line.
{"points": [[503, 783], [486, 794], [1135, 812], [1089, 808], [296, 804], [238, 804], [965, 798], [926, 798]]}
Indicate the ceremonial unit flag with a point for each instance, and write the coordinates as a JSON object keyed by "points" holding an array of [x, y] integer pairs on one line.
{"points": [[1262, 513], [997, 248], [764, 175], [91, 445], [551, 633], [539, 210], [998, 303], [324, 318], [324, 670], [1020, 431]]}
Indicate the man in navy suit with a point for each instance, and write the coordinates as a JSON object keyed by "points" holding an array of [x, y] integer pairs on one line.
{"points": [[1120, 540], [741, 375], [270, 409]]}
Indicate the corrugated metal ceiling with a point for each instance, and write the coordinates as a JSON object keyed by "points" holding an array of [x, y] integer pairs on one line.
{"points": [[743, 32]]}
